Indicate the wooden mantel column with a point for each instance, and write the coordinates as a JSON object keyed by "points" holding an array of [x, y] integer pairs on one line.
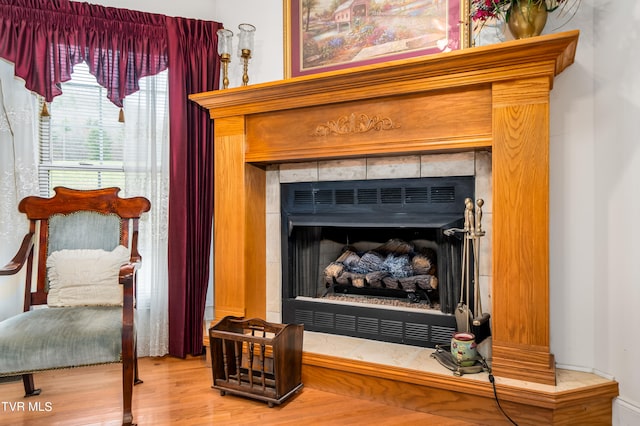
{"points": [[239, 228], [520, 159]]}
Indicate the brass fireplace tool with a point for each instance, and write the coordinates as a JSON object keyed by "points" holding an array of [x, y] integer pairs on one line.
{"points": [[480, 322], [474, 321], [471, 233], [472, 325]]}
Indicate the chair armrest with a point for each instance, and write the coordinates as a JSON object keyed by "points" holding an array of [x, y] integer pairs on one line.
{"points": [[127, 279], [127, 273], [20, 259]]}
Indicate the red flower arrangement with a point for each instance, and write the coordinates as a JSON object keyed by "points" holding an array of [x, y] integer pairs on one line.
{"points": [[482, 10]]}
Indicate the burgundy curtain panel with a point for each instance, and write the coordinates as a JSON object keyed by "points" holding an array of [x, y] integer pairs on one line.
{"points": [[46, 38], [194, 67]]}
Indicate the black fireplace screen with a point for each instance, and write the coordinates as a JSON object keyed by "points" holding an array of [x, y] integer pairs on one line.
{"points": [[378, 239]]}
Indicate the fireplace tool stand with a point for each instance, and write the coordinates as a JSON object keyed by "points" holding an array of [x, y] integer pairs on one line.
{"points": [[443, 355], [470, 321]]}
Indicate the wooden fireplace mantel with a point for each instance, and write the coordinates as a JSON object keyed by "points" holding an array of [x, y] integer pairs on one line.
{"points": [[492, 98]]}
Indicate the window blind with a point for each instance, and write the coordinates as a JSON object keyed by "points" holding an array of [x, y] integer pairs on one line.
{"points": [[82, 143]]}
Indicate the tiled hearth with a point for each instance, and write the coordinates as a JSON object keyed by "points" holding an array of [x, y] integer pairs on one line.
{"points": [[419, 360]]}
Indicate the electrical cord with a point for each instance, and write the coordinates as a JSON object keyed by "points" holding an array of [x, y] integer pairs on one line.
{"points": [[495, 394]]}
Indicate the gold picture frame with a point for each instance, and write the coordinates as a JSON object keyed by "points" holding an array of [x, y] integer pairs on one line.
{"points": [[327, 35]]}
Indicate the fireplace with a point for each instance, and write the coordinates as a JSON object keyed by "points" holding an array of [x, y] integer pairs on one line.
{"points": [[371, 259], [491, 101], [494, 98]]}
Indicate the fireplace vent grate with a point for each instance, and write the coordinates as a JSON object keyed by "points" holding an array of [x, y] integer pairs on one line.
{"points": [[323, 319], [443, 194], [304, 316], [411, 328], [391, 328], [345, 322], [323, 196], [417, 331], [345, 196], [302, 198], [368, 325], [391, 195], [441, 335], [367, 196], [416, 195]]}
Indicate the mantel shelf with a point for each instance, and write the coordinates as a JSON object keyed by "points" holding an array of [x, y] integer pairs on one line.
{"points": [[546, 55]]}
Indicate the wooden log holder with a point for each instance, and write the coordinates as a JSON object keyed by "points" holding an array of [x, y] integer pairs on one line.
{"points": [[256, 359]]}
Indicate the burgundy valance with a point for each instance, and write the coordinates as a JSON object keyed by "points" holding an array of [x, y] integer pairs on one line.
{"points": [[46, 38]]}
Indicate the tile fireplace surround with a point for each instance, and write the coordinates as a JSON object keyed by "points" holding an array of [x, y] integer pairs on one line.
{"points": [[468, 163], [492, 101]]}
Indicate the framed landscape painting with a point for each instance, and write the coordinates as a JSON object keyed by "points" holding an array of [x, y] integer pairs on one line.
{"points": [[326, 35]]}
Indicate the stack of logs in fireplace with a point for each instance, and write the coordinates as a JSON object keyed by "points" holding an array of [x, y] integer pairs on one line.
{"points": [[395, 265]]}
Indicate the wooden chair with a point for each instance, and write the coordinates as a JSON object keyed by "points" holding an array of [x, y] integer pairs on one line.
{"points": [[81, 256]]}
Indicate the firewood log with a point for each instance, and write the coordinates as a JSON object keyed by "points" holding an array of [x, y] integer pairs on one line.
{"points": [[349, 258], [374, 279], [391, 282], [426, 282], [433, 283], [407, 284], [369, 262], [358, 281], [395, 246], [421, 264], [351, 279], [332, 271], [398, 266], [430, 255]]}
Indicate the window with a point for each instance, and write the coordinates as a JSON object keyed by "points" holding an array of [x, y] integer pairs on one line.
{"points": [[82, 142]]}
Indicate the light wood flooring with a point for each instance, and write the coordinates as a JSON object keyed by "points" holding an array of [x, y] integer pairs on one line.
{"points": [[178, 392]]}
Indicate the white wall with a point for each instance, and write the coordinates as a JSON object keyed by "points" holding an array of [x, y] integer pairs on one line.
{"points": [[572, 217], [594, 178], [266, 62], [615, 198], [594, 206], [199, 9]]}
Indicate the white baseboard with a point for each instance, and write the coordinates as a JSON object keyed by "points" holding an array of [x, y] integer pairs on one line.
{"points": [[625, 413], [585, 370]]}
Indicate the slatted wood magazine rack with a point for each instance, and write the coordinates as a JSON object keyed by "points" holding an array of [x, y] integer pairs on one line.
{"points": [[256, 359]]}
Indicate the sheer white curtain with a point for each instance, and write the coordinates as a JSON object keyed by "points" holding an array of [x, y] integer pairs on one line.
{"points": [[146, 164], [18, 177], [146, 168]]}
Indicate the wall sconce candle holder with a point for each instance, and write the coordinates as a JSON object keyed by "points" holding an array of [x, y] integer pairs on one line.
{"points": [[245, 45], [225, 47]]}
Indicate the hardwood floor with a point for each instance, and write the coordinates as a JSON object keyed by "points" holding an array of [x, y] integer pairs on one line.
{"points": [[178, 392]]}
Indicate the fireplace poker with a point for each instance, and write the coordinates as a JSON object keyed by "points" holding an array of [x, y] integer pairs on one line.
{"points": [[462, 314], [480, 323]]}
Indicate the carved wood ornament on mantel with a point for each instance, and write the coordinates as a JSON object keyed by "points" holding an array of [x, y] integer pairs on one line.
{"points": [[355, 123]]}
